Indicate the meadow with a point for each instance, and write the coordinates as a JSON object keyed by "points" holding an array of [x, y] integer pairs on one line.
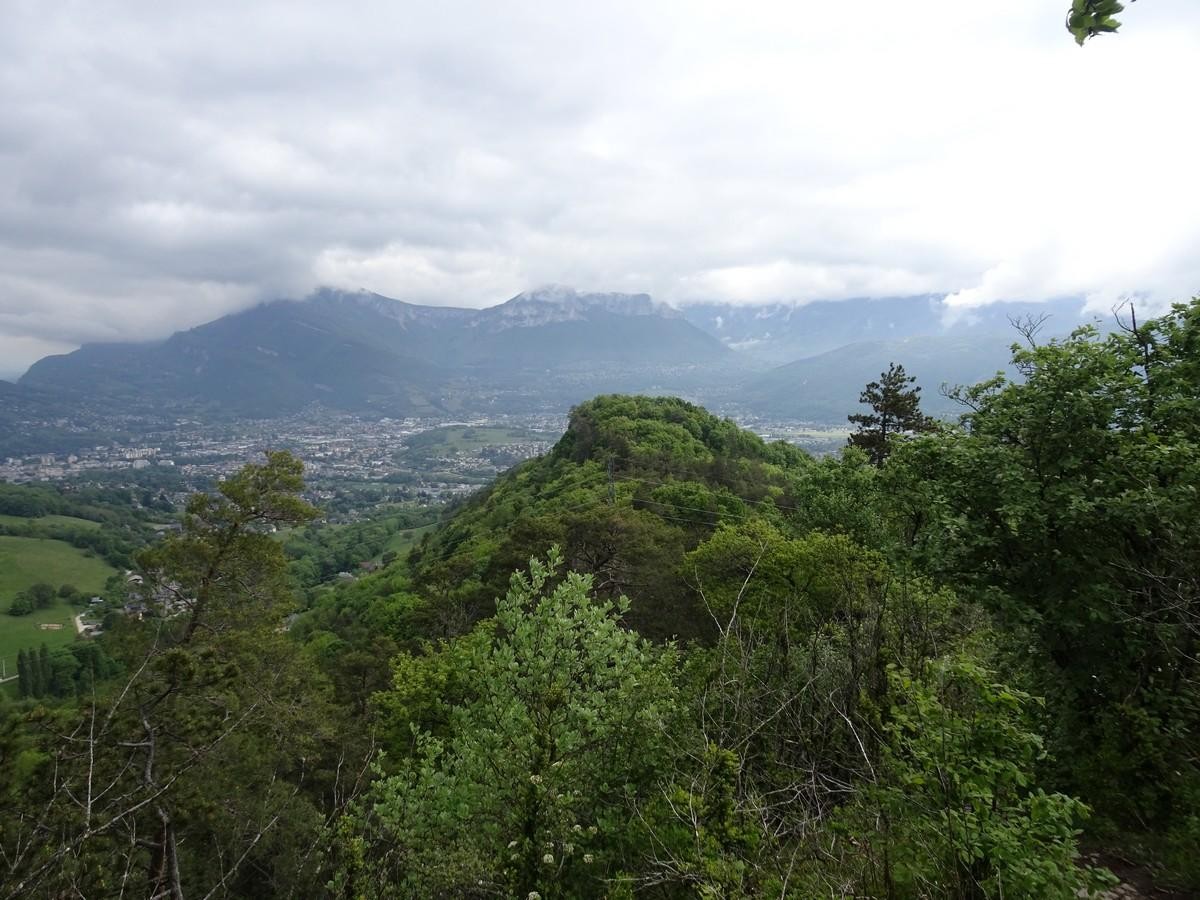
{"points": [[470, 438], [49, 520], [403, 541], [26, 561]]}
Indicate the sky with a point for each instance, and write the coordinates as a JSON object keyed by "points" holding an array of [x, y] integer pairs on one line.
{"points": [[162, 164]]}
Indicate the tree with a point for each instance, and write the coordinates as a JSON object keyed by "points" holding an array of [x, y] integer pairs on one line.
{"points": [[41, 594], [953, 810], [556, 724], [44, 671], [22, 605], [64, 670], [190, 775], [24, 675], [1071, 502], [896, 402]]}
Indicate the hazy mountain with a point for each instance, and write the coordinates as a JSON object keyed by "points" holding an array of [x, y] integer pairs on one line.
{"points": [[825, 387], [357, 350], [556, 303], [780, 333], [547, 348], [271, 359]]}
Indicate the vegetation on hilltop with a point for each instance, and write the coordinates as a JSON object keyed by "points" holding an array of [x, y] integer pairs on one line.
{"points": [[634, 484]]}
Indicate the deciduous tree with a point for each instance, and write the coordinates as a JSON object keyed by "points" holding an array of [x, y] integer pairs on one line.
{"points": [[1072, 503], [560, 726], [1088, 18]]}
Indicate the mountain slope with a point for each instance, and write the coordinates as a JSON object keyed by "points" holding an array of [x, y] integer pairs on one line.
{"points": [[782, 333], [271, 359], [825, 387], [359, 351], [558, 327], [543, 349]]}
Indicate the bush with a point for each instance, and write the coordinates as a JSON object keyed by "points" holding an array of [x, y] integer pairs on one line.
{"points": [[22, 605], [954, 811]]}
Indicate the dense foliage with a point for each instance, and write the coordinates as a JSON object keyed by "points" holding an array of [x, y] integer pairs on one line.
{"points": [[317, 554], [1070, 502], [1088, 18], [63, 672], [178, 772]]}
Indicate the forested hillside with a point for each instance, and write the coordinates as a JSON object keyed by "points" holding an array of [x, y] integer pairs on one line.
{"points": [[722, 668]]}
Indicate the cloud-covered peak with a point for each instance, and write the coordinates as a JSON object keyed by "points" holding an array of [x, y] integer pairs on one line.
{"points": [[559, 294]]}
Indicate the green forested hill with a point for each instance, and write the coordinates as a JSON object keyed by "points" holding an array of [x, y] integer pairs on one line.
{"points": [[634, 484]]}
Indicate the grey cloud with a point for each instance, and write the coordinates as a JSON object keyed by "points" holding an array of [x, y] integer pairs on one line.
{"points": [[162, 164]]}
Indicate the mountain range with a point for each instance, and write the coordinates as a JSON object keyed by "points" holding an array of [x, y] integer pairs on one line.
{"points": [[781, 333], [360, 351], [825, 387], [543, 349]]}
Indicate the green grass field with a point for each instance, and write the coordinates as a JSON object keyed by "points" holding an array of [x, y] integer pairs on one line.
{"points": [[456, 438], [26, 561], [403, 541], [48, 520]]}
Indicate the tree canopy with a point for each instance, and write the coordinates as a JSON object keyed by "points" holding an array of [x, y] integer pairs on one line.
{"points": [[895, 402]]}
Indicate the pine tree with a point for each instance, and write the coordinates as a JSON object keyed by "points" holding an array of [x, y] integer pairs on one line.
{"points": [[896, 402], [219, 702], [24, 676], [42, 682]]}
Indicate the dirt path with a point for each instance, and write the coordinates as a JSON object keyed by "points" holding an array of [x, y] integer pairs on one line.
{"points": [[1136, 882]]}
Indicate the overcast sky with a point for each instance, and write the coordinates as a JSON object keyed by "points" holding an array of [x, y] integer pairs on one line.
{"points": [[164, 163]]}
